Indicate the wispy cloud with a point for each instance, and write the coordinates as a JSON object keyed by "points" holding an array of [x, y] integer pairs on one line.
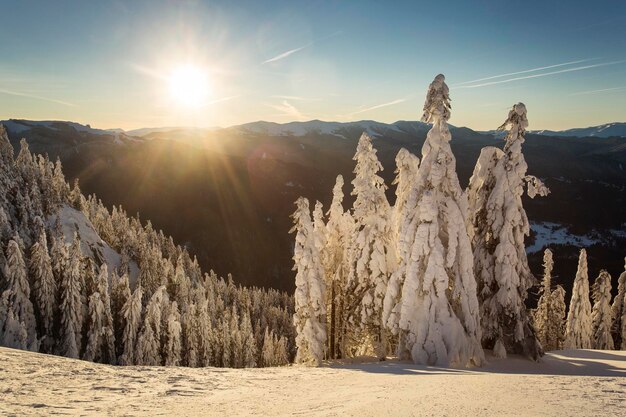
{"points": [[544, 74], [378, 106], [36, 97], [603, 90], [287, 109], [526, 71], [286, 54], [293, 51], [296, 98]]}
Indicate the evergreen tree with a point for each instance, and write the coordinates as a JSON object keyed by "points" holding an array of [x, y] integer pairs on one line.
{"points": [[173, 331], [94, 351], [71, 308], [497, 227], [557, 310], [108, 330], [578, 332], [403, 234], [618, 311], [120, 295], [336, 258], [547, 317], [131, 313], [309, 317], [19, 297], [149, 342], [438, 308], [45, 290], [190, 337], [601, 313], [371, 245]]}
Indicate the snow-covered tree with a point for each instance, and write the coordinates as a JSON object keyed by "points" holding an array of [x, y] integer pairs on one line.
{"points": [[131, 313], [309, 318], [71, 308], [618, 311], [108, 330], [44, 289], [95, 349], [173, 337], [578, 330], [19, 296], [371, 246], [438, 307], [497, 226], [149, 341], [547, 317], [336, 259], [601, 313], [557, 312], [191, 356], [403, 233]]}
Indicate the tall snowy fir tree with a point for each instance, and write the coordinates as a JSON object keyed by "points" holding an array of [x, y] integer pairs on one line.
{"points": [[173, 337], [578, 330], [335, 258], [44, 289], [438, 307], [19, 295], [310, 308], [372, 257], [497, 226], [601, 313], [403, 232], [131, 320], [618, 311], [71, 308], [547, 319]]}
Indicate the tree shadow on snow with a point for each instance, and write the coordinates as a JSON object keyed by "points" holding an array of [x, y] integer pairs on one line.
{"points": [[558, 363]]}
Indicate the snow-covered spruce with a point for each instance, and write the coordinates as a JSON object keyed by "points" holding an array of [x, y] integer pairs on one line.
{"points": [[336, 260], [438, 307], [578, 329], [618, 311], [371, 254], [549, 317], [601, 313], [497, 226], [403, 231], [310, 308]]}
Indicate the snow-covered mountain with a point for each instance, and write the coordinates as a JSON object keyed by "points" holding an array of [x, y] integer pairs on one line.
{"points": [[23, 127], [602, 131]]}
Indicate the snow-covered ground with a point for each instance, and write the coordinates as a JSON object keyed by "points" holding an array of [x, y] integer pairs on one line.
{"points": [[565, 383]]}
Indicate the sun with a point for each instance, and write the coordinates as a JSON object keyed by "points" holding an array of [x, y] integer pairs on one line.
{"points": [[189, 86]]}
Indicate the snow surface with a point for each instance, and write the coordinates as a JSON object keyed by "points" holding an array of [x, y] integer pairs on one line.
{"points": [[564, 383], [92, 245], [548, 233]]}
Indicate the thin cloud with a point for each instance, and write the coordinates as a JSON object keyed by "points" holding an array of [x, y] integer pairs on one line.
{"points": [[287, 109], [603, 90], [36, 97], [378, 106], [295, 98], [543, 74], [286, 54], [293, 51], [526, 71]]}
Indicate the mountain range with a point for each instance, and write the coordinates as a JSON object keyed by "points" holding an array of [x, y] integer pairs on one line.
{"points": [[227, 193]]}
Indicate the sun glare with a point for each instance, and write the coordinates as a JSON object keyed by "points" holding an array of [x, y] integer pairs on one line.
{"points": [[189, 86]]}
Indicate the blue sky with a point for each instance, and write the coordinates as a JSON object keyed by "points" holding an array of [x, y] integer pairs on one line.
{"points": [[106, 63]]}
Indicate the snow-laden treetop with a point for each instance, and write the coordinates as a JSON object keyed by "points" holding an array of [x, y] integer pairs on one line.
{"points": [[437, 106]]}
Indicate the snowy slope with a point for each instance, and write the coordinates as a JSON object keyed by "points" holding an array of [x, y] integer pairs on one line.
{"points": [[19, 126], [602, 131], [565, 383], [314, 127], [92, 245]]}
